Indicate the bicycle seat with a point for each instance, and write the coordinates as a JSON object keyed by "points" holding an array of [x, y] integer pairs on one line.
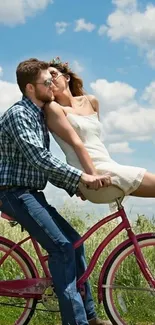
{"points": [[5, 216]]}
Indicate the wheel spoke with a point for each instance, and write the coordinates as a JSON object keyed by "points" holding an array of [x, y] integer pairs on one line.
{"points": [[127, 296], [128, 288], [15, 310]]}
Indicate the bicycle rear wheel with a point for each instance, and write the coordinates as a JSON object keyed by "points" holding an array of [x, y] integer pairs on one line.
{"points": [[15, 311], [127, 297]]}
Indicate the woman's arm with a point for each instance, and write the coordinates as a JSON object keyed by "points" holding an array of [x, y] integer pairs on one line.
{"points": [[58, 123]]}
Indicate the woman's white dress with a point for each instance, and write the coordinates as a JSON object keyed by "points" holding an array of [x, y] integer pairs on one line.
{"points": [[125, 179]]}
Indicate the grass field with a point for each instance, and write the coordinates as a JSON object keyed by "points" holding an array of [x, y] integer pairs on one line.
{"points": [[137, 317]]}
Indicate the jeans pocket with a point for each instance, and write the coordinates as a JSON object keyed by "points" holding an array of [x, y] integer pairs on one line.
{"points": [[6, 206]]}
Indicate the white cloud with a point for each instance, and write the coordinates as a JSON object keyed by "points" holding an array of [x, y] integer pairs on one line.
{"points": [[77, 67], [9, 94], [136, 27], [114, 94], [120, 147], [1, 71], [140, 122], [149, 93], [130, 24], [61, 26], [122, 114], [125, 4], [81, 24], [16, 11], [142, 138]]}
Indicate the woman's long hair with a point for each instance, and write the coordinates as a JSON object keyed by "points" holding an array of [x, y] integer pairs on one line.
{"points": [[75, 83]]}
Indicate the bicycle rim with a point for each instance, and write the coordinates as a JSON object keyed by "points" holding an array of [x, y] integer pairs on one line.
{"points": [[127, 297], [15, 311]]}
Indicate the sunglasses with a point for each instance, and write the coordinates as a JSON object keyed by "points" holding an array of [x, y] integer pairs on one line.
{"points": [[56, 74], [46, 83]]}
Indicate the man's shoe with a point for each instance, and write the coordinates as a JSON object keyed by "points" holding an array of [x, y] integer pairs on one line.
{"points": [[97, 321]]}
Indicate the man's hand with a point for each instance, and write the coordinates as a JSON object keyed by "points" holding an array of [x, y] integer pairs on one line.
{"points": [[95, 182]]}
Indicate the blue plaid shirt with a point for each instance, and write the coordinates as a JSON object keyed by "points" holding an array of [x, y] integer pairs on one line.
{"points": [[25, 159]]}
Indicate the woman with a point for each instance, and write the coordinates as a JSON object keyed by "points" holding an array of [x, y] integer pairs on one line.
{"points": [[73, 119]]}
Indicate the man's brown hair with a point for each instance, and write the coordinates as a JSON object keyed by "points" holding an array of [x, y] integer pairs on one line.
{"points": [[28, 71]]}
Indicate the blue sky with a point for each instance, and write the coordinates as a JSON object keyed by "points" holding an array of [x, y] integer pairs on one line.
{"points": [[111, 45]]}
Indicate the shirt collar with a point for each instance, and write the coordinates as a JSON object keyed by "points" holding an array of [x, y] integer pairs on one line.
{"points": [[30, 105]]}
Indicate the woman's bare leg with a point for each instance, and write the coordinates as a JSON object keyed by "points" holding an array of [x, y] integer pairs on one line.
{"points": [[147, 186]]}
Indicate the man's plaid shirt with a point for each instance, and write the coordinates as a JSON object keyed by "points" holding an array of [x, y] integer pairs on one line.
{"points": [[25, 159]]}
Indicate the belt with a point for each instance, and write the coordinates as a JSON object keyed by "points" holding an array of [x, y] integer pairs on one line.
{"points": [[9, 187], [6, 187]]}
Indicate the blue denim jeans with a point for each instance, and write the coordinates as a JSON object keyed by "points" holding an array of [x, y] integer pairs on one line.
{"points": [[56, 236]]}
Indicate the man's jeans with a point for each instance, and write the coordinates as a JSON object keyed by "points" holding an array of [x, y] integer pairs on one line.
{"points": [[56, 236]]}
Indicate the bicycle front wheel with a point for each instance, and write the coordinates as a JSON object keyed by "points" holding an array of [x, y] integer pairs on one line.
{"points": [[127, 297], [15, 311]]}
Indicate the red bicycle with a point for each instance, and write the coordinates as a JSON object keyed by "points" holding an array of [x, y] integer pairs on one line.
{"points": [[22, 286]]}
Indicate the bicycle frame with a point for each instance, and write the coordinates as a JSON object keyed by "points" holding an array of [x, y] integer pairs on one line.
{"points": [[35, 287], [26, 288], [124, 225]]}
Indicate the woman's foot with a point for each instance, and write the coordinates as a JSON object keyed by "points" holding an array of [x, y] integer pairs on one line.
{"points": [[97, 321]]}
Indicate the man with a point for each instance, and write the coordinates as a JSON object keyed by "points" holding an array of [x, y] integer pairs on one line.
{"points": [[26, 166]]}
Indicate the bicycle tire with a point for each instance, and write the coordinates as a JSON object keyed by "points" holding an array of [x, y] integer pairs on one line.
{"points": [[16, 261], [114, 308]]}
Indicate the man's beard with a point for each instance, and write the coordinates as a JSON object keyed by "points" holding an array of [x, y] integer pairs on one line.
{"points": [[43, 97]]}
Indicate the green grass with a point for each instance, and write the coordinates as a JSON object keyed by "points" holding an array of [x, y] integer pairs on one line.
{"points": [[127, 272]]}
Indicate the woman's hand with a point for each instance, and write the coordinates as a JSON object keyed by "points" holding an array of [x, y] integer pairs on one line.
{"points": [[107, 180], [95, 182]]}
